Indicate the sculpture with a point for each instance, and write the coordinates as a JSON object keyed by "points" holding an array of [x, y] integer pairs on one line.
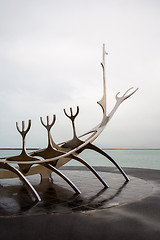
{"points": [[55, 155]]}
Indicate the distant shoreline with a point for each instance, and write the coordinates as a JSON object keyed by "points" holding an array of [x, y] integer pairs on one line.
{"points": [[8, 148], [18, 148]]}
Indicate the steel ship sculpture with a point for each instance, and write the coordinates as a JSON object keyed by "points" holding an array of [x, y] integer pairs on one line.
{"points": [[48, 160]]}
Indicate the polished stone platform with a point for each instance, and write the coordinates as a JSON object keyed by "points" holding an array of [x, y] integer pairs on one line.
{"points": [[123, 211], [58, 197]]}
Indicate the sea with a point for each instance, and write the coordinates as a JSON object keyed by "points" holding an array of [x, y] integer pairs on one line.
{"points": [[133, 158]]}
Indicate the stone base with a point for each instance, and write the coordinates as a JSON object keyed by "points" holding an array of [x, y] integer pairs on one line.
{"points": [[58, 197]]}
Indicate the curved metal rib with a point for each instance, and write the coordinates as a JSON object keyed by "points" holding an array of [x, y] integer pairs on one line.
{"points": [[92, 170], [22, 178], [95, 148], [49, 166]]}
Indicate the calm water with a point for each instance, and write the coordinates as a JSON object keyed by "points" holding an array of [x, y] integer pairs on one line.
{"points": [[126, 158]]}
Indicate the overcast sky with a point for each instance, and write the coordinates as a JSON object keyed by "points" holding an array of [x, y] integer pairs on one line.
{"points": [[50, 54]]}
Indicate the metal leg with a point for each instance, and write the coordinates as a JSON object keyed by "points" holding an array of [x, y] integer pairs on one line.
{"points": [[92, 170], [93, 147], [49, 166], [23, 178]]}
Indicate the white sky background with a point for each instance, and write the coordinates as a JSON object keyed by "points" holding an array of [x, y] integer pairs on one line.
{"points": [[50, 54]]}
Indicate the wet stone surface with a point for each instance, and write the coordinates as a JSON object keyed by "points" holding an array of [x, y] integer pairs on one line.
{"points": [[58, 197]]}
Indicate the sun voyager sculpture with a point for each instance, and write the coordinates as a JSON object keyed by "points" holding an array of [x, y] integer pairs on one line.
{"points": [[50, 159]]}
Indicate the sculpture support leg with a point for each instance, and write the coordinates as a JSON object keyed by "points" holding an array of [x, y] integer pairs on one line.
{"points": [[23, 178], [92, 170], [93, 147], [49, 166]]}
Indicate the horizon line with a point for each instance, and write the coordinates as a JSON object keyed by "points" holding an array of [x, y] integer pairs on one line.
{"points": [[104, 148]]}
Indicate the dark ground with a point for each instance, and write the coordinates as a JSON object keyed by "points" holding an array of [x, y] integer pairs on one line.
{"points": [[138, 218]]}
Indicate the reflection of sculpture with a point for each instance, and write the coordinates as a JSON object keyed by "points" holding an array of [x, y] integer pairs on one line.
{"points": [[55, 155]]}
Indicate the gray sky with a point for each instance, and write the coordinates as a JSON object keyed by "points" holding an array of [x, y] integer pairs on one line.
{"points": [[50, 54]]}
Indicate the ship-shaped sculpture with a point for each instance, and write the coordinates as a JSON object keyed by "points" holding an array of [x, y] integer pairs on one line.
{"points": [[50, 159]]}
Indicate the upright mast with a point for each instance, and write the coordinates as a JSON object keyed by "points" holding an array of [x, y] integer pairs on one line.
{"points": [[102, 102]]}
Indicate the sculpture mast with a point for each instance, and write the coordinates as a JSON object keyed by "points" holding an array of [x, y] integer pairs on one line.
{"points": [[102, 102]]}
